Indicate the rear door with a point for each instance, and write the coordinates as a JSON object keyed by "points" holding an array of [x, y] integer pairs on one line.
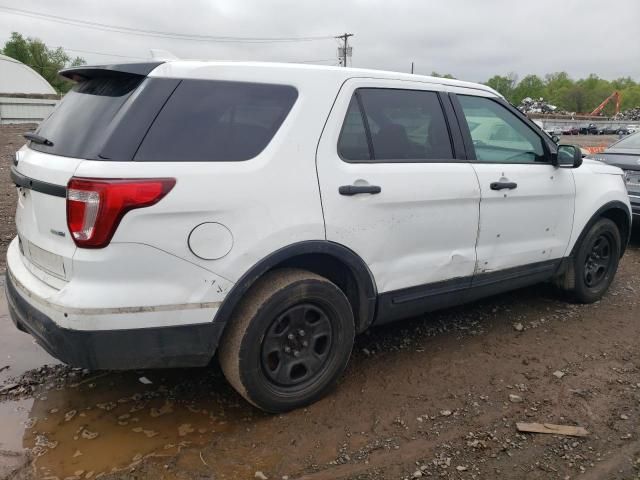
{"points": [[526, 211], [395, 186]]}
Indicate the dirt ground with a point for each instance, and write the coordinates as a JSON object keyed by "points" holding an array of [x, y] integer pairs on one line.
{"points": [[432, 397]]}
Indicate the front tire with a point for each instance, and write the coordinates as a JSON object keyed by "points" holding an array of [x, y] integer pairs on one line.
{"points": [[595, 263], [289, 341]]}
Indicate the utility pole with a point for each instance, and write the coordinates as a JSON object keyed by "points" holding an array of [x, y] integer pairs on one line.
{"points": [[411, 67], [345, 50]]}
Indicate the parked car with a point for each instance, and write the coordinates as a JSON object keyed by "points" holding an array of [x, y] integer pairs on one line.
{"points": [[625, 154], [623, 130], [588, 129], [570, 130], [608, 130], [554, 130], [271, 212]]}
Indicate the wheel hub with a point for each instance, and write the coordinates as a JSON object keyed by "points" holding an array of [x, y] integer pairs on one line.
{"points": [[296, 345], [598, 261]]}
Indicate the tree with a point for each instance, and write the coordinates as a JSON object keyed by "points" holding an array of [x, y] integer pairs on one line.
{"points": [[47, 62], [530, 86], [504, 85], [446, 75]]}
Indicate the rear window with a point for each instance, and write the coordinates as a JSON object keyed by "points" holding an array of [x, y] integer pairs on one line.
{"points": [[78, 125], [207, 120]]}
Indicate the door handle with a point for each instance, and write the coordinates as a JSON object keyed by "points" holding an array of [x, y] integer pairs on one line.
{"points": [[356, 189], [503, 185]]}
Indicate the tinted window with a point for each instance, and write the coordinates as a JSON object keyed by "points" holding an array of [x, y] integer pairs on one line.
{"points": [[353, 144], [217, 121], [498, 135], [405, 125], [78, 125]]}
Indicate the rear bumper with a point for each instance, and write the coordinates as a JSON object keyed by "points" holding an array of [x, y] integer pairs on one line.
{"points": [[156, 347]]}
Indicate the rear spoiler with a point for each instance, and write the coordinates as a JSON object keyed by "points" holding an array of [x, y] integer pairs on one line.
{"points": [[86, 72]]}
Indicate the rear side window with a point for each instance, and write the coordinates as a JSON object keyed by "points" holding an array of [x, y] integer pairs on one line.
{"points": [[78, 125], [403, 125], [217, 121]]}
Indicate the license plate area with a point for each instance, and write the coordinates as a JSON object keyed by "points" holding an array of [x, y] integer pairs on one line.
{"points": [[43, 259]]}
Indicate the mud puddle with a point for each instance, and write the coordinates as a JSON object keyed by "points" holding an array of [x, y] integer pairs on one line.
{"points": [[109, 422], [81, 424], [18, 351]]}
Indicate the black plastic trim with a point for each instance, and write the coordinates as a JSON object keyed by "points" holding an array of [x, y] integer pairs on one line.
{"points": [[365, 283], [158, 347], [37, 185], [459, 149], [92, 71], [131, 124], [408, 302]]}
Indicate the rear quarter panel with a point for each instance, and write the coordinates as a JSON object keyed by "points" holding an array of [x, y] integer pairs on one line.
{"points": [[267, 202]]}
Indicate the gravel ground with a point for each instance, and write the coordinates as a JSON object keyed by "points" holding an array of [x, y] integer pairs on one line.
{"points": [[433, 397]]}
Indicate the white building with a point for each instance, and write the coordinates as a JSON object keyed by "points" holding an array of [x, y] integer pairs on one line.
{"points": [[25, 97]]}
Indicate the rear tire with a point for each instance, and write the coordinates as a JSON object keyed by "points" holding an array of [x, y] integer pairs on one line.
{"points": [[594, 264], [289, 341]]}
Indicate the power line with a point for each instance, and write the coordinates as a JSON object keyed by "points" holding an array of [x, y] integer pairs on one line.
{"points": [[77, 50], [156, 33], [102, 53]]}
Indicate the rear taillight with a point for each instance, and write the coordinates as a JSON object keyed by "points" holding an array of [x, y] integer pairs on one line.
{"points": [[96, 206]]}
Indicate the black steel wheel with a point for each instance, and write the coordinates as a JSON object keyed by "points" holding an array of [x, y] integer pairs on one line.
{"points": [[599, 260], [289, 340], [596, 261], [297, 345]]}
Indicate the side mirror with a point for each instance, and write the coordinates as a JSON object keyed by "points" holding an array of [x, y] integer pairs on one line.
{"points": [[568, 156]]}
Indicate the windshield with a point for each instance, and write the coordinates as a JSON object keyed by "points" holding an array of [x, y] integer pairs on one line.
{"points": [[630, 142]]}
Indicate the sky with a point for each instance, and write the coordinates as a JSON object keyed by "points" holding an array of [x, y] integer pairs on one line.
{"points": [[471, 39]]}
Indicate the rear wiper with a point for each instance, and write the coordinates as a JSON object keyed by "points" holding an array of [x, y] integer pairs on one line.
{"points": [[34, 137]]}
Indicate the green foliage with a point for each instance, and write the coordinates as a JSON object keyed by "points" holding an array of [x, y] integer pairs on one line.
{"points": [[558, 88], [504, 85], [47, 62], [439, 75]]}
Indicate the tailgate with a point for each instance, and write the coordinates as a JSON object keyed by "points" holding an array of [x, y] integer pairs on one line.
{"points": [[41, 217]]}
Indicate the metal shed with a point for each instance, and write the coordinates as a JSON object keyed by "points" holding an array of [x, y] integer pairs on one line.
{"points": [[25, 97]]}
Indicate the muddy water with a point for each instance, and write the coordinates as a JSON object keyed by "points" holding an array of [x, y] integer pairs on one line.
{"points": [[18, 351], [14, 415], [111, 421], [85, 424]]}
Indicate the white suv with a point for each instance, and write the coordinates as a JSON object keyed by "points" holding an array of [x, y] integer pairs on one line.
{"points": [[270, 212]]}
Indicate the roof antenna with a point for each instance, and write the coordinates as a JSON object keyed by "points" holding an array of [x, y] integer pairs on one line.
{"points": [[158, 54]]}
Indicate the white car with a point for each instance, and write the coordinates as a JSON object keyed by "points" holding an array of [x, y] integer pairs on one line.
{"points": [[270, 212]]}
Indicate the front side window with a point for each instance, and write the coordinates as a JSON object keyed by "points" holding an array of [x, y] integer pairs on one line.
{"points": [[498, 135], [217, 121], [402, 125]]}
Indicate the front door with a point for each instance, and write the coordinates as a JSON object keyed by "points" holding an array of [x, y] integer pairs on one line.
{"points": [[526, 210], [392, 189]]}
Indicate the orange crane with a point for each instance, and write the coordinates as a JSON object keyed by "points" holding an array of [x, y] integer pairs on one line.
{"points": [[600, 107]]}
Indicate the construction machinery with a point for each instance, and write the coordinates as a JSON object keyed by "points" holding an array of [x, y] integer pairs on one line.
{"points": [[600, 107]]}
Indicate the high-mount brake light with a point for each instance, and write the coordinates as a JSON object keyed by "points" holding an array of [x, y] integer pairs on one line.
{"points": [[95, 206]]}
